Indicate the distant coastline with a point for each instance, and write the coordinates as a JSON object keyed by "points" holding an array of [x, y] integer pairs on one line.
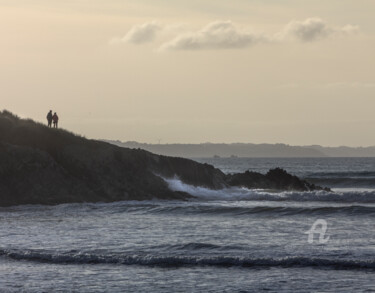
{"points": [[234, 150]]}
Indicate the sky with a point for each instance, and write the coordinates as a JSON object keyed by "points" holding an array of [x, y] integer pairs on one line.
{"points": [[299, 72]]}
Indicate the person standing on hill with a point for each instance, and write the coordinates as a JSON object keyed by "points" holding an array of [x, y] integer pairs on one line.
{"points": [[49, 118], [55, 119]]}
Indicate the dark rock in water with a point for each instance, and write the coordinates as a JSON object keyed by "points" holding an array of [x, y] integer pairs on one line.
{"points": [[285, 181], [248, 179], [40, 165], [277, 179]]}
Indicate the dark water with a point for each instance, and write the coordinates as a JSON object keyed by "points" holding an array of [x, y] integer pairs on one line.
{"points": [[233, 240]]}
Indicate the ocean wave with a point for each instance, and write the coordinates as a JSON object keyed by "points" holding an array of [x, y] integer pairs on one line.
{"points": [[342, 174], [238, 193], [217, 209], [195, 246], [182, 260], [358, 182], [342, 179]]}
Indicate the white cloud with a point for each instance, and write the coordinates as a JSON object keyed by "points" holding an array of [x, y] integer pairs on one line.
{"points": [[313, 29], [227, 35], [216, 35], [140, 34]]}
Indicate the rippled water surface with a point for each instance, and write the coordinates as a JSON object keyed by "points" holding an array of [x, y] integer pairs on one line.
{"points": [[233, 240]]}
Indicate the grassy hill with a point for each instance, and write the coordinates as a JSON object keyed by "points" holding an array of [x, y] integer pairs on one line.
{"points": [[41, 165]]}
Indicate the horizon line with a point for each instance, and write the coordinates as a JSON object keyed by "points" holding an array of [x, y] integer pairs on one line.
{"points": [[234, 143]]}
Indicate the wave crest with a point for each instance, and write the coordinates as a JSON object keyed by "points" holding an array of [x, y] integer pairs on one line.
{"points": [[238, 193], [178, 261]]}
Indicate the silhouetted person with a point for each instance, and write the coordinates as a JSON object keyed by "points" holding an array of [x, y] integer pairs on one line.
{"points": [[55, 119], [49, 118]]}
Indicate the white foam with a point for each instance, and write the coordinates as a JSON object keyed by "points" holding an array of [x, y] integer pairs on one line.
{"points": [[240, 193], [234, 193]]}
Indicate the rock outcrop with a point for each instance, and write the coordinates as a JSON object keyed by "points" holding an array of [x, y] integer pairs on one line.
{"points": [[40, 165], [276, 179]]}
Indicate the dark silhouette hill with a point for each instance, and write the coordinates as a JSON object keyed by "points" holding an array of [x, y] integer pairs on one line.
{"points": [[40, 165]]}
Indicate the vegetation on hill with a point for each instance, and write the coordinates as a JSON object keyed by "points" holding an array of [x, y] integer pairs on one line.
{"points": [[41, 165]]}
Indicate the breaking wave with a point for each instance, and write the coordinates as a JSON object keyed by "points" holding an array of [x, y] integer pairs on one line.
{"points": [[239, 193]]}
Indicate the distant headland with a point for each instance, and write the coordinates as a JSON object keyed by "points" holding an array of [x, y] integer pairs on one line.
{"points": [[42, 165], [206, 150]]}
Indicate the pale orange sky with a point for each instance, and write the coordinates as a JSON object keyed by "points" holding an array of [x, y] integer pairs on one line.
{"points": [[295, 72]]}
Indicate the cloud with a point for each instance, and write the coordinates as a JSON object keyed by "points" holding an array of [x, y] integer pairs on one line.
{"points": [[216, 35], [227, 35], [313, 29], [140, 34]]}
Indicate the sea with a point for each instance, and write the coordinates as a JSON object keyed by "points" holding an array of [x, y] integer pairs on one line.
{"points": [[230, 240]]}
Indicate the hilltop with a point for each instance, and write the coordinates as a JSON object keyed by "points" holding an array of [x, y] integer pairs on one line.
{"points": [[40, 165]]}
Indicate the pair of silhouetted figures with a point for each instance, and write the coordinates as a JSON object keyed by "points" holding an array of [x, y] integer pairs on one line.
{"points": [[52, 118]]}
